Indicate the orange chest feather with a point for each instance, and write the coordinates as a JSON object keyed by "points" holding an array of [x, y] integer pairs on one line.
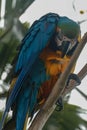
{"points": [[53, 62], [55, 65]]}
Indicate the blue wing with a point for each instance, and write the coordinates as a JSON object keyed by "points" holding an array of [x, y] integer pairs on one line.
{"points": [[34, 42], [37, 38]]}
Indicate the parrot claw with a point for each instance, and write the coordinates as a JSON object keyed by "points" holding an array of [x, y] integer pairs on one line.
{"points": [[59, 103], [74, 77]]}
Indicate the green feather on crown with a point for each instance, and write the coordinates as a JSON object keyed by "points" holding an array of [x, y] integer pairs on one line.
{"points": [[69, 27]]}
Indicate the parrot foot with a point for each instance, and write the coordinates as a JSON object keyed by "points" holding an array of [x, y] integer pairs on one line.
{"points": [[73, 77], [60, 104]]}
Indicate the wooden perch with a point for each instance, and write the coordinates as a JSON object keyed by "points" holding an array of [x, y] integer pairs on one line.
{"points": [[73, 84], [59, 89]]}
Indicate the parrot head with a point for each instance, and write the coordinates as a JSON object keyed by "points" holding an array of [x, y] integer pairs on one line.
{"points": [[68, 34]]}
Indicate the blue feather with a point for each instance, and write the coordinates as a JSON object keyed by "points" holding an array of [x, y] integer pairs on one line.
{"points": [[37, 38], [34, 42], [28, 94]]}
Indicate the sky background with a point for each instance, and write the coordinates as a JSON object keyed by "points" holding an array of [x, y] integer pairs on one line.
{"points": [[64, 8]]}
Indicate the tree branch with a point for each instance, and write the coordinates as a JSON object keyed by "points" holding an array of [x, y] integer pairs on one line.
{"points": [[73, 84], [58, 89]]}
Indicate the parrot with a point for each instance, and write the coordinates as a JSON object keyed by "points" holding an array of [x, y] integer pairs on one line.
{"points": [[43, 55]]}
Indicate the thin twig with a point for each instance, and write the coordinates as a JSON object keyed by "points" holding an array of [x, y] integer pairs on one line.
{"points": [[3, 95], [6, 32], [83, 94]]}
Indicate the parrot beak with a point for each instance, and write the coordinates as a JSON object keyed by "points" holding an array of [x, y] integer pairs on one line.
{"points": [[65, 47], [64, 43]]}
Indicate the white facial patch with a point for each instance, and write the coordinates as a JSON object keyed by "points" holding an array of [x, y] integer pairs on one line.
{"points": [[60, 38]]}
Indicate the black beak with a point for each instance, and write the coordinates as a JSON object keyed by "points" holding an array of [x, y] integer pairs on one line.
{"points": [[65, 47]]}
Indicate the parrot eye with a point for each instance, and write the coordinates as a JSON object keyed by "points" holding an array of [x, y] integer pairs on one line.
{"points": [[58, 41]]}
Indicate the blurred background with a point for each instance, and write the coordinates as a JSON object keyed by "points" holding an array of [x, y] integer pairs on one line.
{"points": [[16, 16]]}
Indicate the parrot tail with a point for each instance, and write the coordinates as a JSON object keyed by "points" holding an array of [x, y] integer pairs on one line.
{"points": [[26, 98]]}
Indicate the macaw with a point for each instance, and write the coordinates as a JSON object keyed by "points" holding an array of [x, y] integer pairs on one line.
{"points": [[43, 55]]}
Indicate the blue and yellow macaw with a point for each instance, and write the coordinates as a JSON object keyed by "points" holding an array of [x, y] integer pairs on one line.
{"points": [[43, 55]]}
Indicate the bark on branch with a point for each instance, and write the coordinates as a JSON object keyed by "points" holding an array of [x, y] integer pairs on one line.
{"points": [[59, 89]]}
